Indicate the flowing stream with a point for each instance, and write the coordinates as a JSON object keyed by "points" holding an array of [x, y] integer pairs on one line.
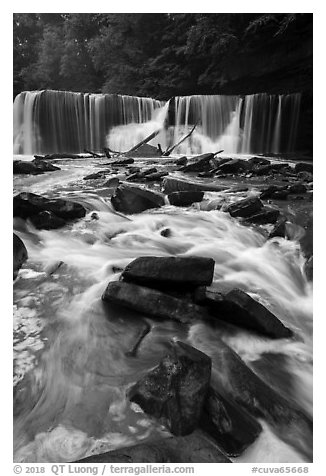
{"points": [[71, 363]]}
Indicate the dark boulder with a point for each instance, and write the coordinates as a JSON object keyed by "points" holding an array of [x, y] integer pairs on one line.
{"points": [[303, 167], [144, 150], [194, 448], [112, 182], [45, 166], [28, 204], [175, 390], [259, 161], [280, 195], [231, 426], [47, 221], [305, 176], [279, 229], [133, 199], [266, 215], [181, 161], [170, 272], [297, 188], [238, 308], [270, 191], [22, 167], [262, 170], [175, 184], [233, 166], [245, 208], [198, 163], [20, 254], [152, 303], [184, 199]]}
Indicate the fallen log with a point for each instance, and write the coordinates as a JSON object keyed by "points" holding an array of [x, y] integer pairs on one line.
{"points": [[94, 154], [144, 141], [171, 149]]}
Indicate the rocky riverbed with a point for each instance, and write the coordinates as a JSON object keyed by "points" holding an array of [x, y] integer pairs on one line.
{"points": [[179, 285]]}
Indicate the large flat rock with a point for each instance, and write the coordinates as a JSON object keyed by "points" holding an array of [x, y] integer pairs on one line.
{"points": [[152, 303], [173, 272], [238, 308]]}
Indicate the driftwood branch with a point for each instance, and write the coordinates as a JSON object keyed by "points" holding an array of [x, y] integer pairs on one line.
{"points": [[94, 154], [218, 152], [144, 141], [171, 149]]}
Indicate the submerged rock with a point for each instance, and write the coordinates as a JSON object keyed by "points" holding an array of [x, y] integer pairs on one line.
{"points": [[134, 199], [20, 254], [29, 204], [184, 199], [170, 272], [152, 303], [231, 427], [96, 175], [156, 176], [194, 448], [245, 208], [175, 390], [238, 308]]}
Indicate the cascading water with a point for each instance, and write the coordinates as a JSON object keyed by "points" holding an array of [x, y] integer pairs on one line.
{"points": [[60, 121], [256, 123], [71, 367]]}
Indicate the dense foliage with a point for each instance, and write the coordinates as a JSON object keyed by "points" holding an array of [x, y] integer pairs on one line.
{"points": [[152, 54]]}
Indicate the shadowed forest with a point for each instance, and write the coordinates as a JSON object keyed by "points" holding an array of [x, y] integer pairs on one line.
{"points": [[163, 54]]}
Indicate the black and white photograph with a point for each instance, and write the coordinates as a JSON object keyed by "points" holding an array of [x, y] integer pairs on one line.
{"points": [[162, 241]]}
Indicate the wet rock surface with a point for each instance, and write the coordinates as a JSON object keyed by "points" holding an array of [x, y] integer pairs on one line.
{"points": [[20, 254], [174, 392], [228, 424], [245, 208], [132, 199], [151, 302], [170, 272], [238, 308], [29, 204]]}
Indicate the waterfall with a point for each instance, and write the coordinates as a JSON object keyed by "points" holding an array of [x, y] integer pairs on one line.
{"points": [[254, 123], [62, 121]]}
